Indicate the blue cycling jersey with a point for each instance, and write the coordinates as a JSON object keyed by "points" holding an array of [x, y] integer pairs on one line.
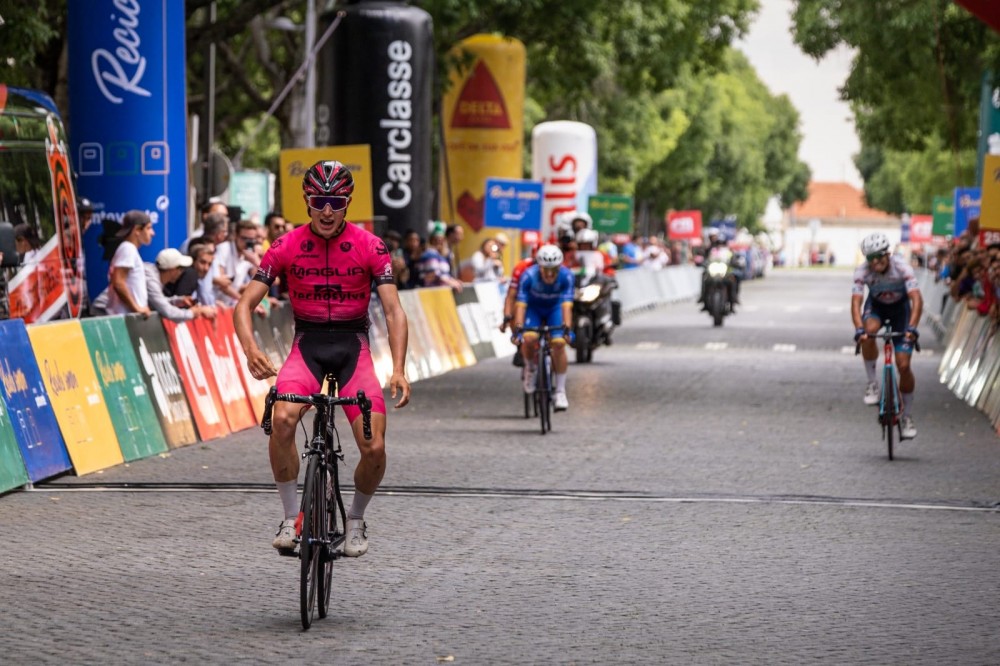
{"points": [[537, 295]]}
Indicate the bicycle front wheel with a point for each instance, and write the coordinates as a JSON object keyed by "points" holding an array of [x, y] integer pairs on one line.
{"points": [[544, 392], [310, 544], [891, 411], [329, 513]]}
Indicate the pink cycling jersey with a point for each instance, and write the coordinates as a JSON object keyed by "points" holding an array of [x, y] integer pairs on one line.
{"points": [[329, 279], [329, 285]]}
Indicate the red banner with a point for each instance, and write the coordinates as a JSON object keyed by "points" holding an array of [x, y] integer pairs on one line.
{"points": [[920, 229], [218, 338], [684, 224], [199, 382]]}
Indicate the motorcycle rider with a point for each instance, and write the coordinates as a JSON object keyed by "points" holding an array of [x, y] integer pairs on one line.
{"points": [[717, 248]]}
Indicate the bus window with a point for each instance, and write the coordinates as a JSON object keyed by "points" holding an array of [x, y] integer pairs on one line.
{"points": [[36, 190]]}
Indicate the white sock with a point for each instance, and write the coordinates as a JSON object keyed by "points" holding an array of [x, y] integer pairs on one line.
{"points": [[560, 382], [288, 490], [358, 506], [907, 402], [870, 369]]}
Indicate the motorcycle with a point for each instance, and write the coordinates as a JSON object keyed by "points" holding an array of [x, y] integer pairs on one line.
{"points": [[719, 285], [595, 314]]}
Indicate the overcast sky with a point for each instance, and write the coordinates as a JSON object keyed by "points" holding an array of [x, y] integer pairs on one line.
{"points": [[829, 140]]}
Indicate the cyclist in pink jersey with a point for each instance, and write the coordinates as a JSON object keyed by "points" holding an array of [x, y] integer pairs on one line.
{"points": [[329, 267]]}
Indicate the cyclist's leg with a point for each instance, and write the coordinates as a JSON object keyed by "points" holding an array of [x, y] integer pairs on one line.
{"points": [[900, 318], [871, 320], [560, 359], [360, 375], [529, 348]]}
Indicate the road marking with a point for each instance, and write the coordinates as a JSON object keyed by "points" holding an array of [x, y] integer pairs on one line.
{"points": [[847, 349], [533, 494], [647, 346], [716, 346], [786, 349]]}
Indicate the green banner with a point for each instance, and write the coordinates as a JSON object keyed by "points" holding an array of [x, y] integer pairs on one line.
{"points": [[612, 213], [943, 211], [129, 404], [989, 118], [12, 472]]}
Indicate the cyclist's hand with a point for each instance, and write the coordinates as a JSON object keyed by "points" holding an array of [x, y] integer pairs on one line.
{"points": [[912, 333], [506, 321], [259, 364], [859, 335], [568, 335], [516, 334], [399, 384]]}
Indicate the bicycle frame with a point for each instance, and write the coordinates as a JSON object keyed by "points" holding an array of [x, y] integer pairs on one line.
{"points": [[890, 403]]}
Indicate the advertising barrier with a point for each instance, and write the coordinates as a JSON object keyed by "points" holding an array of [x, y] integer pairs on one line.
{"points": [[35, 428], [214, 342], [12, 471], [475, 322], [199, 384], [564, 158], [163, 381], [442, 318], [423, 359], [77, 400], [130, 407]]}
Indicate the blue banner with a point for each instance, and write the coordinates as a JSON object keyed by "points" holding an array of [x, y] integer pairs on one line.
{"points": [[128, 119], [28, 407], [513, 204], [967, 203]]}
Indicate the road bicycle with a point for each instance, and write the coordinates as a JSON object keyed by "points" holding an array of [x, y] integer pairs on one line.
{"points": [[541, 399], [321, 524], [889, 405]]}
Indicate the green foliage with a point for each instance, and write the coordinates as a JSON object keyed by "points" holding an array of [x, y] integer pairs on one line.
{"points": [[906, 181], [32, 38]]}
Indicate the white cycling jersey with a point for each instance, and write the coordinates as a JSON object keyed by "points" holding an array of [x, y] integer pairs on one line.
{"points": [[890, 287]]}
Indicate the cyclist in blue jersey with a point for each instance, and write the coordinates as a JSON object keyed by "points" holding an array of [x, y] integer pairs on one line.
{"points": [[893, 296], [545, 296]]}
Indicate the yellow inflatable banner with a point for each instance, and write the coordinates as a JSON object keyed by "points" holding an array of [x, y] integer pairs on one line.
{"points": [[293, 164], [483, 117], [75, 393]]}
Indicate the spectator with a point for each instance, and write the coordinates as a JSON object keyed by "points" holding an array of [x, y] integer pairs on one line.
{"points": [[453, 235], [192, 285], [86, 211], [27, 243], [275, 226], [127, 290], [503, 242], [212, 207], [629, 255], [485, 263], [169, 266], [236, 260], [654, 256], [413, 249], [434, 268]]}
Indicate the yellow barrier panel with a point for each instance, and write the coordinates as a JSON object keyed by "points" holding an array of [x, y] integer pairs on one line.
{"points": [[442, 316], [76, 396]]}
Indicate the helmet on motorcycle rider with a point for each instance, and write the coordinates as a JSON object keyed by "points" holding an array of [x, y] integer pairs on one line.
{"points": [[875, 243], [587, 236], [582, 216], [549, 256]]}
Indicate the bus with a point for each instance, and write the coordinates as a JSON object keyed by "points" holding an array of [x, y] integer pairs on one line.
{"points": [[37, 190]]}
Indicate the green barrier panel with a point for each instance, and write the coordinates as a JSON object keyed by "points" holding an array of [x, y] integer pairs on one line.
{"points": [[132, 413], [12, 471]]}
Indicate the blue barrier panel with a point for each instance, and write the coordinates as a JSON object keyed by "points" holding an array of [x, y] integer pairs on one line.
{"points": [[35, 427]]}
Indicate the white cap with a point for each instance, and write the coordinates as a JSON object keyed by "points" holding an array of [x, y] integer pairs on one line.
{"points": [[171, 258]]}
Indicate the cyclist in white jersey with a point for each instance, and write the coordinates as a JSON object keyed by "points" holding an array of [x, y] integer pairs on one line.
{"points": [[893, 296]]}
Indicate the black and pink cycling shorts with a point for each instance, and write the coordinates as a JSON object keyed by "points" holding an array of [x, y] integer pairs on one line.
{"points": [[343, 353]]}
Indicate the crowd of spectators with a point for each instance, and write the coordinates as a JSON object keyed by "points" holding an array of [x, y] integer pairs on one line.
{"points": [[971, 273]]}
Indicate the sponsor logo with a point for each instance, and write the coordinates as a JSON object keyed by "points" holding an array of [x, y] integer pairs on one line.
{"points": [[480, 103], [307, 246], [381, 249], [303, 272], [110, 68], [395, 193], [278, 242], [345, 247], [329, 293]]}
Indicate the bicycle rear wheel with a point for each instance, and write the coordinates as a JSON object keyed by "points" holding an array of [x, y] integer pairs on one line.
{"points": [[310, 547], [889, 421]]}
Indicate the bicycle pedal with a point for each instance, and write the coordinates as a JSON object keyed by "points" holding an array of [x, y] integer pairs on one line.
{"points": [[288, 552]]}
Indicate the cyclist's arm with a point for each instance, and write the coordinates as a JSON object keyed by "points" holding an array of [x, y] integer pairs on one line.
{"points": [[395, 321], [258, 363], [856, 310], [520, 309], [916, 307]]}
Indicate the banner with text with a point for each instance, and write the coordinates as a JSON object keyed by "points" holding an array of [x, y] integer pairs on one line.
{"points": [[513, 204], [72, 385], [684, 225], [217, 348], [199, 384], [611, 213], [294, 162], [12, 471]]}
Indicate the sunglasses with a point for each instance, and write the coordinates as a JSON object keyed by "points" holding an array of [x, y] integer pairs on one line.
{"points": [[320, 201], [875, 257]]}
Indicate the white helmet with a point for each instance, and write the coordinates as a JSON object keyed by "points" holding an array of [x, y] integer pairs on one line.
{"points": [[875, 243], [580, 215], [587, 236], [549, 256]]}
